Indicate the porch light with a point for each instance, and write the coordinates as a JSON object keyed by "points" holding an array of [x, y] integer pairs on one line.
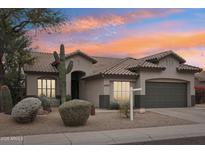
{"points": [[131, 101]]}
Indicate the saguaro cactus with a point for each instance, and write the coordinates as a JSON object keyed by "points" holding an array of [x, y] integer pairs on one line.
{"points": [[63, 70], [6, 100]]}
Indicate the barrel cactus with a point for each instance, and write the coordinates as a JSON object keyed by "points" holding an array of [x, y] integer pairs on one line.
{"points": [[26, 110], [75, 112], [63, 70], [6, 99]]}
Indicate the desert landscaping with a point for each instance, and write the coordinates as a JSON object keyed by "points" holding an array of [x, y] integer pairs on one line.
{"points": [[103, 120]]}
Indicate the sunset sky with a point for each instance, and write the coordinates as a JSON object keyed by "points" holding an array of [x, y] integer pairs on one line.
{"points": [[129, 32]]}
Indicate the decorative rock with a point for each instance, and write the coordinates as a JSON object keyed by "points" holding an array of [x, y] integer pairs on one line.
{"points": [[142, 110], [26, 110]]}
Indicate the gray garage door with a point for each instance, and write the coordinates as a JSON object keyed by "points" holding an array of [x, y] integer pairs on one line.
{"points": [[162, 95]]}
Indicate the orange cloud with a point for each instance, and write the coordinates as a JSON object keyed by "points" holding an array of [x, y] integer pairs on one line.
{"points": [[185, 44], [140, 45], [88, 23], [134, 44]]}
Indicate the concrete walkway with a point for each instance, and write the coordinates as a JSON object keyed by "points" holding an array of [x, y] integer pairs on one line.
{"points": [[195, 114], [110, 137]]}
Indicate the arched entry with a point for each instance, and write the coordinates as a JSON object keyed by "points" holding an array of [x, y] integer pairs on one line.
{"points": [[75, 79]]}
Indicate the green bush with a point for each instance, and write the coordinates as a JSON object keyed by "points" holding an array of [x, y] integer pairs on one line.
{"points": [[75, 112], [125, 110], [114, 106], [45, 102], [6, 99], [68, 98]]}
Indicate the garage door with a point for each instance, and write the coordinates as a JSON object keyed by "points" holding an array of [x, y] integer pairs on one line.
{"points": [[165, 95]]}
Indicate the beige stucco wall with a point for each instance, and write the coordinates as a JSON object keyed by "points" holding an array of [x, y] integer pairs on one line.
{"points": [[79, 64], [92, 90], [32, 81], [169, 75]]}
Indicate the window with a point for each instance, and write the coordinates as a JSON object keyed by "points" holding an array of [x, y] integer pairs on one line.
{"points": [[121, 92], [47, 87]]}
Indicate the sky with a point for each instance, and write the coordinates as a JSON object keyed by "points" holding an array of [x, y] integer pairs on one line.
{"points": [[129, 33]]}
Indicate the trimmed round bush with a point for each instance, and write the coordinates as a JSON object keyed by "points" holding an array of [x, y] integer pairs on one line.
{"points": [[75, 112], [6, 99], [26, 110], [45, 103], [114, 106]]}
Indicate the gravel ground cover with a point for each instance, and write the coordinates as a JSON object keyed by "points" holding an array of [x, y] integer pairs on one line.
{"points": [[52, 123]]}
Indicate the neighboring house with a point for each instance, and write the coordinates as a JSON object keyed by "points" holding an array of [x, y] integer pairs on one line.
{"points": [[200, 87], [200, 79], [165, 79]]}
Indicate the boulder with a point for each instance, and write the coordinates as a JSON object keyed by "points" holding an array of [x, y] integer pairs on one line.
{"points": [[26, 110], [142, 110]]}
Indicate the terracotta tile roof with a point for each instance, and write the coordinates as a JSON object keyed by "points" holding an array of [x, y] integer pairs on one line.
{"points": [[161, 55], [42, 64], [104, 63], [120, 68], [78, 52], [188, 68], [107, 65], [145, 65]]}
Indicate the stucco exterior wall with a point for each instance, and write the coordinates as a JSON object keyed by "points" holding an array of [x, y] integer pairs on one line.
{"points": [[79, 64], [92, 90], [32, 81], [169, 75]]}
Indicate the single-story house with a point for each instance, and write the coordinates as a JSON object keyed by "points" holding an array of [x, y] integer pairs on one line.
{"points": [[200, 87], [200, 79], [165, 79]]}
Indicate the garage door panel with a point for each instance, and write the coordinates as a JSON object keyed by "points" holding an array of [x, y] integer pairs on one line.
{"points": [[159, 94]]}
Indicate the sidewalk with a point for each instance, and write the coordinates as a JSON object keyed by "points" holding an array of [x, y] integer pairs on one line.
{"points": [[110, 137]]}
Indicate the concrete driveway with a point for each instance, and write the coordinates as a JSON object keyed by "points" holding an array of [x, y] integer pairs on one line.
{"points": [[195, 114]]}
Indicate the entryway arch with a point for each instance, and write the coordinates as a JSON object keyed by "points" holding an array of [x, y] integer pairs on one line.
{"points": [[75, 79]]}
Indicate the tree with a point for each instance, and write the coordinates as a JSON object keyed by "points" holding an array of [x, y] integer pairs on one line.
{"points": [[15, 23], [15, 61], [15, 42]]}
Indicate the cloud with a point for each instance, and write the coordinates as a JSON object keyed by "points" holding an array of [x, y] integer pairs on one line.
{"points": [[140, 45], [87, 23], [190, 45]]}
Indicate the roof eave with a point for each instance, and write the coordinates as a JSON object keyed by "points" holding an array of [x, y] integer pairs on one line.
{"points": [[189, 70]]}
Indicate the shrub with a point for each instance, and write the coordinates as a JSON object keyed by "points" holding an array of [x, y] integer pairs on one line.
{"points": [[92, 112], [125, 109], [6, 100], [68, 98], [114, 106], [75, 112], [26, 110], [45, 103]]}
